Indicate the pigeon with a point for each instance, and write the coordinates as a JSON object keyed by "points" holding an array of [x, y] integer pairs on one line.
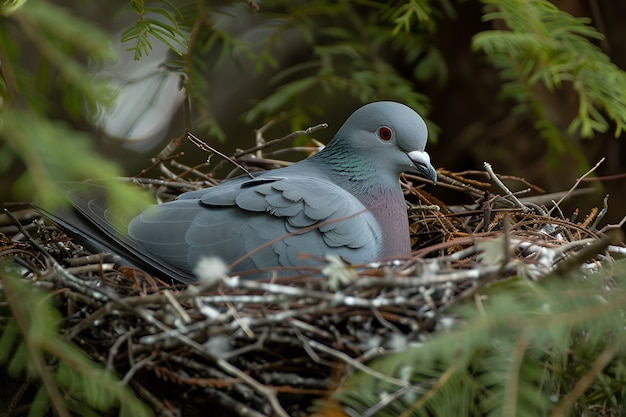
{"points": [[346, 200]]}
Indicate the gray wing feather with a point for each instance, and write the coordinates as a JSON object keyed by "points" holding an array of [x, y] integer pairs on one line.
{"points": [[234, 220]]}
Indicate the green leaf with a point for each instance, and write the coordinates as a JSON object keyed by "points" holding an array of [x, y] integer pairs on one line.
{"points": [[46, 147], [166, 30], [550, 47]]}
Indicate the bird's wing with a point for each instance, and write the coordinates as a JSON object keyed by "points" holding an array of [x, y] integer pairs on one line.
{"points": [[89, 222], [260, 223]]}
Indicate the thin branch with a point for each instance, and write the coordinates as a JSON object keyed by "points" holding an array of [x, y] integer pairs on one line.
{"points": [[203, 146], [577, 183]]}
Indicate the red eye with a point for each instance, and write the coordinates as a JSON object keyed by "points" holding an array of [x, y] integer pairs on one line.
{"points": [[385, 133]]}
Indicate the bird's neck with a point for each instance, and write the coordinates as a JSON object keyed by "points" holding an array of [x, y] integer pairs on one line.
{"points": [[379, 191]]}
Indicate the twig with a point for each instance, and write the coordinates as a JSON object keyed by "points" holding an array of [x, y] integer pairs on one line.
{"points": [[577, 183], [503, 187], [203, 146], [261, 144], [360, 366]]}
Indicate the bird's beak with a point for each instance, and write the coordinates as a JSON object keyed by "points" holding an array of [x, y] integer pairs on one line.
{"points": [[421, 160]]}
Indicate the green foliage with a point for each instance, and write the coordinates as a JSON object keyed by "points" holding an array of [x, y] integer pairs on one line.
{"points": [[58, 37], [547, 47], [45, 148], [31, 344], [52, 151], [525, 352], [407, 15], [159, 22], [353, 45]]}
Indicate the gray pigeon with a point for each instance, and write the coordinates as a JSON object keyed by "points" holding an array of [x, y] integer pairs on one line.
{"points": [[345, 200]]}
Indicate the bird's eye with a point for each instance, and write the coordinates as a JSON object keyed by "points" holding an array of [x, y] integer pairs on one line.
{"points": [[385, 133]]}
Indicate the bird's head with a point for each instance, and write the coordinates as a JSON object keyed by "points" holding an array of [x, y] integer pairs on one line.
{"points": [[390, 135]]}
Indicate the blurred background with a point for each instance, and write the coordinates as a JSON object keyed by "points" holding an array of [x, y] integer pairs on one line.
{"points": [[96, 89]]}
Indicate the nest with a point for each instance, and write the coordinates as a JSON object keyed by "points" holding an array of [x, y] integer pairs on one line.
{"points": [[275, 346]]}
